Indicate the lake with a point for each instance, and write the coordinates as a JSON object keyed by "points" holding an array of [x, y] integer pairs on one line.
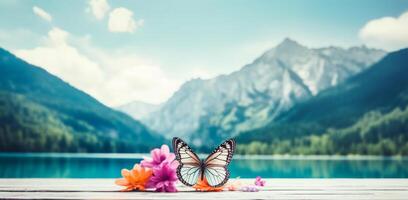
{"points": [[67, 165]]}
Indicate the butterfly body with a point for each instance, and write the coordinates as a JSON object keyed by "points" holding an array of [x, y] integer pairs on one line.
{"points": [[213, 168], [202, 167]]}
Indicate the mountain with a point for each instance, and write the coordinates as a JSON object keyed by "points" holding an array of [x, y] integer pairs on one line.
{"points": [[366, 114], [382, 87], [40, 112], [211, 110], [138, 109]]}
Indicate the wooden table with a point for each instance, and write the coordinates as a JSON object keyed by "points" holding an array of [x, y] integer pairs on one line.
{"points": [[276, 189]]}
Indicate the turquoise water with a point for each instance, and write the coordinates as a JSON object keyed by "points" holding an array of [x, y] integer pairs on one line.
{"points": [[109, 166]]}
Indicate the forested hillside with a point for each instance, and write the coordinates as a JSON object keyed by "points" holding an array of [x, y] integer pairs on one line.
{"points": [[367, 114], [40, 112]]}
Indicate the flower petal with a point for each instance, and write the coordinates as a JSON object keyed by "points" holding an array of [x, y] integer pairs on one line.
{"points": [[202, 185], [125, 173], [127, 189], [155, 154], [171, 157], [165, 149], [122, 182]]}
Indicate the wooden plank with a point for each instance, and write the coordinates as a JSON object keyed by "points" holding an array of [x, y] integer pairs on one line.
{"points": [[196, 195], [276, 189]]}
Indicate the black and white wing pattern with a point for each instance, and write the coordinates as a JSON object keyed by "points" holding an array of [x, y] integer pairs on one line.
{"points": [[216, 163], [189, 168]]}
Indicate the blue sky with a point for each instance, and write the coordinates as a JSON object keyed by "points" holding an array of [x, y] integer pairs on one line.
{"points": [[173, 41]]}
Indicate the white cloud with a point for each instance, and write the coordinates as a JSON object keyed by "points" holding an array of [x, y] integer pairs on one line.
{"points": [[112, 77], [121, 20], [388, 32], [138, 81], [99, 8], [64, 61], [42, 13], [132, 77], [58, 36]]}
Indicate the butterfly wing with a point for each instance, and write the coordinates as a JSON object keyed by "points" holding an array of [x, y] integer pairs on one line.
{"points": [[216, 163], [189, 168]]}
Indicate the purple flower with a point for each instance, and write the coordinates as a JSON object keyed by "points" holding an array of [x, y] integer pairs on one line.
{"points": [[164, 177], [259, 181], [158, 157], [249, 188]]}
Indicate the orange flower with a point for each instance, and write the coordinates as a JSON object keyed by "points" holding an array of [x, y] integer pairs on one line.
{"points": [[135, 179], [203, 186]]}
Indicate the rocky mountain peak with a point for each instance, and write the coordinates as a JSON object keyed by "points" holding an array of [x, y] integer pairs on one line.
{"points": [[213, 109]]}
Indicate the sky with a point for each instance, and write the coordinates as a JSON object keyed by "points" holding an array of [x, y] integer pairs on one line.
{"points": [[144, 50]]}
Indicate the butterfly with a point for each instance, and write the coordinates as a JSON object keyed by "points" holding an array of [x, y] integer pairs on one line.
{"points": [[214, 168]]}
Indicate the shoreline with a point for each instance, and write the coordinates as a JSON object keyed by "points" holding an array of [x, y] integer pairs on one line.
{"points": [[244, 157]]}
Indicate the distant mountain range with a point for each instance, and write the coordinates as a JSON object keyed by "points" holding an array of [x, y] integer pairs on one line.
{"points": [[207, 111], [366, 114], [138, 109], [290, 100], [40, 112]]}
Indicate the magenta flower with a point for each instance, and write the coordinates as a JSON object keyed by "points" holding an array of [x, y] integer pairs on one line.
{"points": [[249, 188], [259, 181], [164, 177], [158, 157]]}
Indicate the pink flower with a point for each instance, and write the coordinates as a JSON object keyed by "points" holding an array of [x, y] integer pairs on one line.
{"points": [[259, 181], [164, 177], [249, 188], [158, 157]]}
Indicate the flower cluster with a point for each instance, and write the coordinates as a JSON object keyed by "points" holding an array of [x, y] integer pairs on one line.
{"points": [[160, 173], [236, 185], [157, 172]]}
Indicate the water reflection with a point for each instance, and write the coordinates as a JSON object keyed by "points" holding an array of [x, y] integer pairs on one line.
{"points": [[54, 166]]}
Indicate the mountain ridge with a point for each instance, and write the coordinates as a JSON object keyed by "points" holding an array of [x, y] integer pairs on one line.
{"points": [[221, 107], [366, 114], [360, 80], [78, 115]]}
